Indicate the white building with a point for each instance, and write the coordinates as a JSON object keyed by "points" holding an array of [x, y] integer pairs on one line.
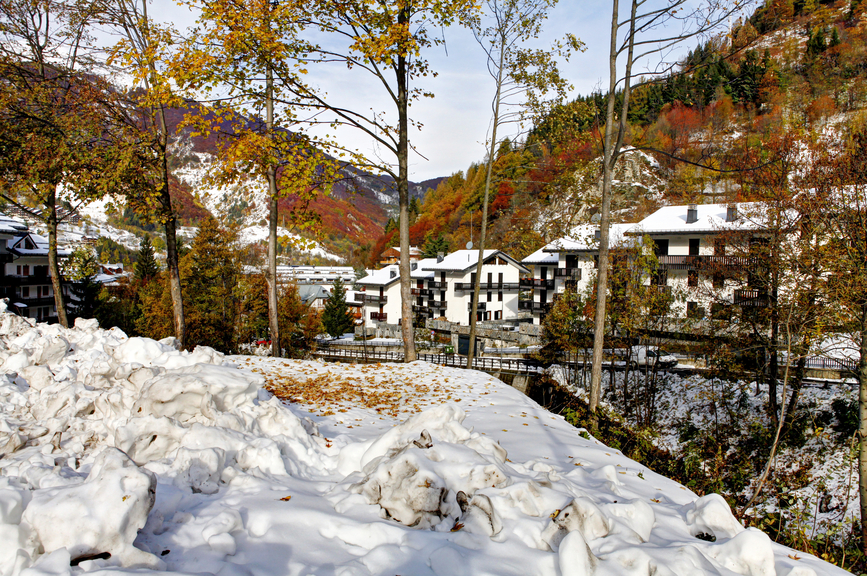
{"points": [[444, 288], [26, 281], [691, 243], [572, 259]]}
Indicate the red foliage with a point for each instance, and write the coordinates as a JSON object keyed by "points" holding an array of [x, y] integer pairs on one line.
{"points": [[382, 243]]}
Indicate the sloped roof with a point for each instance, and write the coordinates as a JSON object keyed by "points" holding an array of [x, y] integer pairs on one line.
{"points": [[540, 256], [10, 225], [462, 260], [710, 219], [381, 277], [583, 239]]}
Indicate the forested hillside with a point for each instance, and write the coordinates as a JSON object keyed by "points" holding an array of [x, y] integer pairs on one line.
{"points": [[716, 129]]}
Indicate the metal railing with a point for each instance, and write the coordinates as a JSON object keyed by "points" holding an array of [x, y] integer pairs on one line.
{"points": [[499, 286], [421, 292], [548, 284], [360, 298], [379, 316], [568, 273], [437, 285]]}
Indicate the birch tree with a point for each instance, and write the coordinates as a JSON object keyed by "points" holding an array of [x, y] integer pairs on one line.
{"points": [[383, 42], [144, 49], [649, 32], [232, 58], [523, 77]]}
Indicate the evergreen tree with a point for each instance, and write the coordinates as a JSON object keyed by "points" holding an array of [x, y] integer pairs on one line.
{"points": [[433, 246], [336, 318], [210, 272], [146, 266], [81, 269]]}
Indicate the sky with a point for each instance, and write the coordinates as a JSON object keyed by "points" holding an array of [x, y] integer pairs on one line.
{"points": [[455, 123]]}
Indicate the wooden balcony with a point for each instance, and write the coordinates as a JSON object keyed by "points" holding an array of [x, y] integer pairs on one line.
{"points": [[421, 292], [440, 304], [751, 298], [568, 274], [482, 306], [379, 316], [437, 285], [361, 298], [707, 262]]}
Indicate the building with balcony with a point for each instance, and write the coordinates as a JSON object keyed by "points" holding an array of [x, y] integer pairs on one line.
{"points": [[571, 260], [25, 280], [704, 255], [443, 288]]}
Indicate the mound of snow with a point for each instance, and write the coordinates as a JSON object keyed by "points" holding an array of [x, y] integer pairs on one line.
{"points": [[121, 454]]}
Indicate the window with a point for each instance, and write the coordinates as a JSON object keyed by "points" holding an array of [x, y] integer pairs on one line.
{"points": [[490, 297], [694, 244], [719, 247], [26, 270], [719, 281], [487, 315], [692, 278], [500, 278], [499, 296], [490, 277], [660, 247], [25, 292], [692, 310], [18, 270], [498, 315]]}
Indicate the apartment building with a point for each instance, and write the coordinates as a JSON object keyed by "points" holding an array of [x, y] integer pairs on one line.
{"points": [[571, 260], [698, 260], [443, 288], [26, 281]]}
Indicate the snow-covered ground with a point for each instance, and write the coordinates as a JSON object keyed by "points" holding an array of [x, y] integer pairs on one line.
{"points": [[122, 453]]}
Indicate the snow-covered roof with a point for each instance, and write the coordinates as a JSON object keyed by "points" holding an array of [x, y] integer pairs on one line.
{"points": [[311, 292], [40, 244], [382, 277], [10, 225], [710, 219], [583, 239], [462, 260], [540, 256], [423, 269]]}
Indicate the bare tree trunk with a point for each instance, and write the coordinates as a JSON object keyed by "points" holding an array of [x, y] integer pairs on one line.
{"points": [[164, 194], [862, 427], [53, 265], [406, 327], [612, 145], [605, 218], [484, 227], [271, 275]]}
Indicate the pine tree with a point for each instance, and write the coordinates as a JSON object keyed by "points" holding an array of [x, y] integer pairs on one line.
{"points": [[336, 318], [146, 266], [433, 246]]}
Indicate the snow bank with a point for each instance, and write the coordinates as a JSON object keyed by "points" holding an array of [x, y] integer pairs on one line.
{"points": [[120, 454]]}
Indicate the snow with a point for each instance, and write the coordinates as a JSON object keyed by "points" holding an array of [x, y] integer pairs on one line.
{"points": [[122, 454]]}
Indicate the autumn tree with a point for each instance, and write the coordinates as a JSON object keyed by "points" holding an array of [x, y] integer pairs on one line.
{"points": [[522, 78], [840, 184], [228, 48], [143, 51], [385, 43], [54, 142]]}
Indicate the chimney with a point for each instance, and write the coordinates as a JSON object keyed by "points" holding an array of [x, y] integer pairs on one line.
{"points": [[598, 234], [392, 273], [732, 213], [440, 256], [691, 214]]}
